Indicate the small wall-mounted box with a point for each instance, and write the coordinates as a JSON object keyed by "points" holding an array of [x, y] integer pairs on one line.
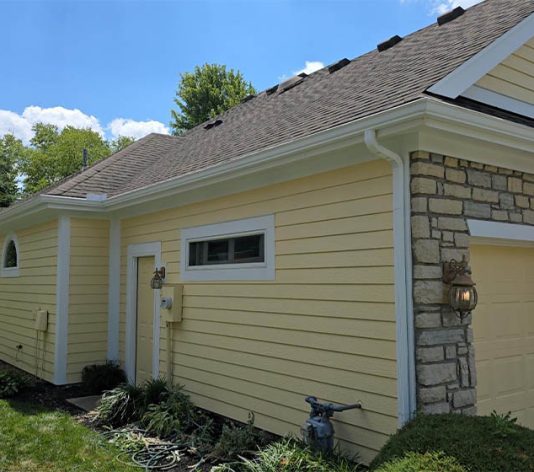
{"points": [[41, 320], [171, 303]]}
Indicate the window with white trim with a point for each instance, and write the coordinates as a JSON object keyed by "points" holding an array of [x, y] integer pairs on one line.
{"points": [[10, 257], [233, 250]]}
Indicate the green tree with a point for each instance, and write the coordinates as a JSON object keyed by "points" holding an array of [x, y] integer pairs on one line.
{"points": [[206, 93], [11, 150], [120, 143], [56, 154]]}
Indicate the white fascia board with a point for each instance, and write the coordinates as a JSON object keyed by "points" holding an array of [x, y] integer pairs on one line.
{"points": [[470, 123], [498, 100], [471, 71]]}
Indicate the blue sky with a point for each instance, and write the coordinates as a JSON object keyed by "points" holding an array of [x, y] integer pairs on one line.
{"points": [[115, 65]]}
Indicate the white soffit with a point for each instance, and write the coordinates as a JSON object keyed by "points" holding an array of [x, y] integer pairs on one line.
{"points": [[498, 100]]}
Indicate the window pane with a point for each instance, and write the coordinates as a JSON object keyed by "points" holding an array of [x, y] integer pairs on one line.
{"points": [[249, 249], [11, 255], [195, 254], [218, 251]]}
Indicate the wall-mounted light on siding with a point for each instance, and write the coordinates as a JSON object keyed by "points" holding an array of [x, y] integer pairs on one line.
{"points": [[157, 281], [463, 295]]}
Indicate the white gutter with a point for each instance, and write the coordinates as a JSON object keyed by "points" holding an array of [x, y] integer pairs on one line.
{"points": [[403, 277]]}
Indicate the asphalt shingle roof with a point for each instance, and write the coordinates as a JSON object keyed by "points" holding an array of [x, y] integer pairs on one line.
{"points": [[369, 84]]}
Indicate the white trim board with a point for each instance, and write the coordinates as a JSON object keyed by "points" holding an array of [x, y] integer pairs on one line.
{"points": [[460, 79], [252, 271], [62, 300], [135, 251], [500, 234], [498, 100], [114, 289]]}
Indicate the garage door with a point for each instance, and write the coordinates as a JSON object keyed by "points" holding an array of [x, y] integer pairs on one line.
{"points": [[503, 328]]}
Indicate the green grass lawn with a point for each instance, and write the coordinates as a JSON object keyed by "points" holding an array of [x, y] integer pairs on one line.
{"points": [[33, 439]]}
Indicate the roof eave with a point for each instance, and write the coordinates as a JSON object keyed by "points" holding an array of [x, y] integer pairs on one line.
{"points": [[426, 111]]}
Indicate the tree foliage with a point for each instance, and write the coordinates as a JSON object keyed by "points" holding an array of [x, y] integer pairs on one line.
{"points": [[55, 154], [205, 93], [11, 149]]}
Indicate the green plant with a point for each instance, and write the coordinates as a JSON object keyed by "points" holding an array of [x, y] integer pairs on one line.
{"points": [[476, 442], [12, 382], [505, 425], [172, 415], [122, 405], [238, 440], [202, 438], [156, 390], [97, 378], [427, 462], [290, 455]]}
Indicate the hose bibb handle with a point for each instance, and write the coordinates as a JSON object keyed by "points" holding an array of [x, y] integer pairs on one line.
{"points": [[328, 409]]}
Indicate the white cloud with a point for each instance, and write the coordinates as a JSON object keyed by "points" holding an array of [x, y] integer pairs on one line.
{"points": [[439, 7], [310, 66], [13, 123], [135, 129], [61, 117], [21, 124], [444, 6]]}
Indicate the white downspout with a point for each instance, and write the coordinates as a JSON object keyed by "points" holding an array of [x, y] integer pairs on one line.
{"points": [[403, 277]]}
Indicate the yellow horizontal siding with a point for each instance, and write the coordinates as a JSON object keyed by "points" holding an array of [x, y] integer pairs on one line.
{"points": [[88, 295], [325, 326], [21, 296], [514, 77]]}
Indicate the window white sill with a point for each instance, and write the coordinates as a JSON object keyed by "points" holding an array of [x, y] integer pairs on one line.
{"points": [[10, 272]]}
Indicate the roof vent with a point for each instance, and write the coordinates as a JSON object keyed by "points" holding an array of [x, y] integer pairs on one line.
{"points": [[213, 124], [452, 15], [338, 65], [248, 98], [271, 90], [389, 43], [292, 82], [96, 197]]}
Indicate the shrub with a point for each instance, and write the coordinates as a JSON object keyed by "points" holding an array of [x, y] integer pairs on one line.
{"points": [[174, 414], [289, 455], [155, 391], [238, 440], [479, 443], [429, 461], [122, 405], [12, 382], [97, 378]]}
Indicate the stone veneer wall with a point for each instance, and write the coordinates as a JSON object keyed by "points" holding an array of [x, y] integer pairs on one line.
{"points": [[445, 192]]}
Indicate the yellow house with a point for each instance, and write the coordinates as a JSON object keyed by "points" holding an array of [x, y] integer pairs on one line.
{"points": [[303, 235]]}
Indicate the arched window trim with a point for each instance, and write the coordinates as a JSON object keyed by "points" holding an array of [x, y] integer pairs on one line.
{"points": [[10, 271]]}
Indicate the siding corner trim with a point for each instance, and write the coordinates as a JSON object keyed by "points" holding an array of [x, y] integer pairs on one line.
{"points": [[62, 300]]}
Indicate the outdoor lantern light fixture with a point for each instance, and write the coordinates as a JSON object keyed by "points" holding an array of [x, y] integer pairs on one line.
{"points": [[157, 281], [463, 295]]}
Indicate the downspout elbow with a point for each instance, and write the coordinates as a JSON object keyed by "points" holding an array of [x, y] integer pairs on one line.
{"points": [[376, 148]]}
